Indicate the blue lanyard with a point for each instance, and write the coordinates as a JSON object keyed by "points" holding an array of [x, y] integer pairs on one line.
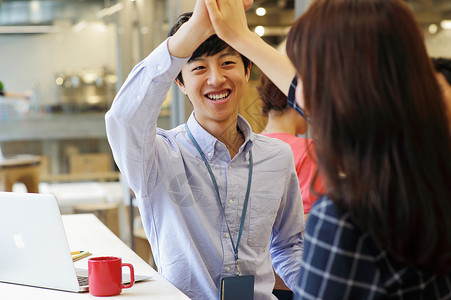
{"points": [[246, 199]]}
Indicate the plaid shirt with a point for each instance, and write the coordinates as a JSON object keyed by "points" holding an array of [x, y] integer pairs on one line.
{"points": [[341, 262]]}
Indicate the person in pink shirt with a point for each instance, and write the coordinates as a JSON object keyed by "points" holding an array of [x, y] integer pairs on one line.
{"points": [[285, 124]]}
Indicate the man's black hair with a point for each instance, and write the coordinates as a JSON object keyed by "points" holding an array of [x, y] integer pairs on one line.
{"points": [[212, 46], [443, 65]]}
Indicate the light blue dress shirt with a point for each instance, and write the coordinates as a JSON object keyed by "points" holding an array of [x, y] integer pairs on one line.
{"points": [[177, 200]]}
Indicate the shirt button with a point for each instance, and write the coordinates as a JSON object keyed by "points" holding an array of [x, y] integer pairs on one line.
{"points": [[227, 269], [226, 235], [229, 167], [230, 201], [210, 154], [159, 67], [139, 97]]}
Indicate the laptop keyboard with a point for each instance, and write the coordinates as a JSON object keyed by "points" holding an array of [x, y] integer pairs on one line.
{"points": [[82, 280]]}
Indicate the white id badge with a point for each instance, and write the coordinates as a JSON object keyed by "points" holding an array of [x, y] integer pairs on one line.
{"points": [[237, 288]]}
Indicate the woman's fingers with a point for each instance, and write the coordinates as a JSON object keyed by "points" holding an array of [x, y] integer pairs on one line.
{"points": [[228, 17], [247, 3]]}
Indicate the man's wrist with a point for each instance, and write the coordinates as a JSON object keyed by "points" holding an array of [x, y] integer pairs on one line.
{"points": [[183, 43]]}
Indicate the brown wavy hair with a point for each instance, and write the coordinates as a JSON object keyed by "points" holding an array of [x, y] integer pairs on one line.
{"points": [[378, 123], [271, 96]]}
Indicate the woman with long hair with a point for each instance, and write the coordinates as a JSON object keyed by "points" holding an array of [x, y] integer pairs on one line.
{"points": [[365, 82]]}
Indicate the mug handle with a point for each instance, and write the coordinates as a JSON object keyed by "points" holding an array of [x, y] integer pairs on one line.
{"points": [[132, 276]]}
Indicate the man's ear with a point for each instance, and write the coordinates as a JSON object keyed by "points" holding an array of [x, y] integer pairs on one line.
{"points": [[181, 86], [248, 72]]}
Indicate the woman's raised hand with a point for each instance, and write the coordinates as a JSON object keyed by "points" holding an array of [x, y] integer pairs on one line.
{"points": [[228, 18], [229, 21], [247, 3]]}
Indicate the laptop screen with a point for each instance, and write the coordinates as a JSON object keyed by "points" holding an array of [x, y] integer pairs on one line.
{"points": [[33, 245]]}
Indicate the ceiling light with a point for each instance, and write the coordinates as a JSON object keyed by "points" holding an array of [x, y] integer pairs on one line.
{"points": [[446, 24], [260, 11], [260, 30], [144, 30], [79, 26], [272, 30], [108, 11], [99, 27], [35, 6], [433, 28]]}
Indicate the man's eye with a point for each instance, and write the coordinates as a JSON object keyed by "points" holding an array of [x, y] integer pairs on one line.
{"points": [[229, 63], [198, 68]]}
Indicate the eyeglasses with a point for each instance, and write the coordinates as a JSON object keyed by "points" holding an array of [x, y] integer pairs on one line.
{"points": [[291, 100]]}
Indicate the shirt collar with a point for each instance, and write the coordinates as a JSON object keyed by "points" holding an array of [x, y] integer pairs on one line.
{"points": [[207, 142]]}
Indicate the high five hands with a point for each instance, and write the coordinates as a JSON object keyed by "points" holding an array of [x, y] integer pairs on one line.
{"points": [[210, 17], [228, 17]]}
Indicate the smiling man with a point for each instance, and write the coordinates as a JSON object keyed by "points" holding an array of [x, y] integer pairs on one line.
{"points": [[219, 203]]}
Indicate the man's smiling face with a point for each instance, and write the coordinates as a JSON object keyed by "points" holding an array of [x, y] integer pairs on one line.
{"points": [[215, 85]]}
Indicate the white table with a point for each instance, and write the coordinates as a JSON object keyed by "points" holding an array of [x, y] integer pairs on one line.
{"points": [[86, 232]]}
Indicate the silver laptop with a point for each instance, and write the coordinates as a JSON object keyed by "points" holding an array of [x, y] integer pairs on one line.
{"points": [[32, 239]]}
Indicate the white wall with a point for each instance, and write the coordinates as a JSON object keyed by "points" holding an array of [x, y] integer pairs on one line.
{"points": [[439, 45], [31, 61]]}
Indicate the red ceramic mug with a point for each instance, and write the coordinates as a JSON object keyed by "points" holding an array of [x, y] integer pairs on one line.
{"points": [[105, 276]]}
